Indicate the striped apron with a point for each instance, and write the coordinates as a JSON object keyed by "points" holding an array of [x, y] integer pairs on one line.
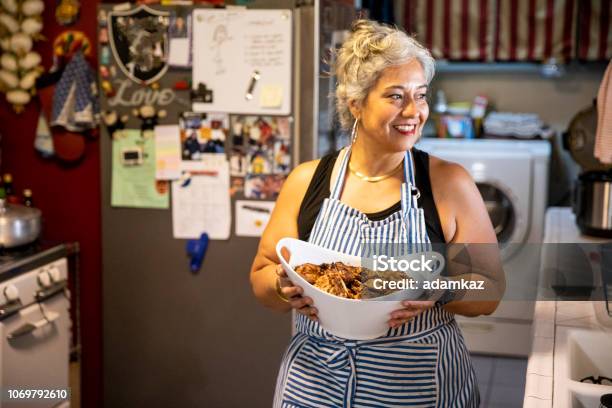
{"points": [[423, 363]]}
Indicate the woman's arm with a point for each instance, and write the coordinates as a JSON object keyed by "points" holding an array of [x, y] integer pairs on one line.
{"points": [[282, 223], [472, 227]]}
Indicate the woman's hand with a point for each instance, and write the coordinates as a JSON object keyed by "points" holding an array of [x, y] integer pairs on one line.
{"points": [[412, 308], [293, 294]]}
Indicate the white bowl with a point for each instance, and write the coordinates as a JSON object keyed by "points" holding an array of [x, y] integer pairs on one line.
{"points": [[347, 318]]}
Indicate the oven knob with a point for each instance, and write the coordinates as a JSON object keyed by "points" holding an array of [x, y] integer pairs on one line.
{"points": [[11, 293], [55, 274], [44, 279]]}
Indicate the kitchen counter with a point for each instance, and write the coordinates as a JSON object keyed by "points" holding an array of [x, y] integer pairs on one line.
{"points": [[553, 320]]}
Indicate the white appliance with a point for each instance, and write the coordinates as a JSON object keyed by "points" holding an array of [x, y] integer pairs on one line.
{"points": [[512, 177], [34, 331]]}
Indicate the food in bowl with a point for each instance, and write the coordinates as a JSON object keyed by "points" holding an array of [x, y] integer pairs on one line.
{"points": [[351, 282]]}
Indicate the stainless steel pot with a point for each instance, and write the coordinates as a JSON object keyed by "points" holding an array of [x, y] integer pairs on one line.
{"points": [[592, 203], [19, 225]]}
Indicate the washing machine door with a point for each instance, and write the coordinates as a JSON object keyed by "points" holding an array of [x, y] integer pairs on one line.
{"points": [[500, 209], [504, 180]]}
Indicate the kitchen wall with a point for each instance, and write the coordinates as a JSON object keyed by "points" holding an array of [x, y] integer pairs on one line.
{"points": [[69, 197], [555, 100]]}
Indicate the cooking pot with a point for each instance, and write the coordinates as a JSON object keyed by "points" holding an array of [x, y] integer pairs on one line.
{"points": [[592, 190], [19, 225], [592, 205]]}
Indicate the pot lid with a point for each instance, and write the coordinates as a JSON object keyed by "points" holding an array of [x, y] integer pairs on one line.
{"points": [[16, 211], [581, 140]]}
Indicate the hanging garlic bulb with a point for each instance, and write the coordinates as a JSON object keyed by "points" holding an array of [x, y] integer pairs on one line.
{"points": [[31, 26], [9, 5], [9, 22], [8, 62], [32, 7], [31, 60], [5, 43], [9, 79], [21, 43], [18, 98], [28, 81]]}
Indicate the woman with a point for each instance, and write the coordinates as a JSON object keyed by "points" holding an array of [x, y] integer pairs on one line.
{"points": [[361, 192]]}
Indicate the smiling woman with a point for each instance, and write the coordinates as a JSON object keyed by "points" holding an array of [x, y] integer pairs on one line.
{"points": [[378, 189]]}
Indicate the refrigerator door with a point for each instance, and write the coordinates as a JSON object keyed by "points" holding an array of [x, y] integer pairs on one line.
{"points": [[181, 339]]}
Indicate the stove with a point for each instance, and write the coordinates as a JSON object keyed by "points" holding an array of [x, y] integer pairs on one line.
{"points": [[13, 260], [34, 322]]}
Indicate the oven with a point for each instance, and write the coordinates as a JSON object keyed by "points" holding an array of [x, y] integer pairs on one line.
{"points": [[35, 334]]}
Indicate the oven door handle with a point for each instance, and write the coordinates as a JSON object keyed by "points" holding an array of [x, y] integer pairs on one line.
{"points": [[28, 328]]}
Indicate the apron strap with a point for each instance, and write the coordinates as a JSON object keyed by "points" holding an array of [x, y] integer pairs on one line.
{"points": [[339, 182], [409, 168], [410, 193]]}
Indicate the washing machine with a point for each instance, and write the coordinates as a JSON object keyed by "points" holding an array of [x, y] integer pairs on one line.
{"points": [[512, 176]]}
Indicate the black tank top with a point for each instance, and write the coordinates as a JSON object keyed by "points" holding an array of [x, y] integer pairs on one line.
{"points": [[318, 190]]}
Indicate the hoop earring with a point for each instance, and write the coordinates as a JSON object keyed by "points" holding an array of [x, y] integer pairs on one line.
{"points": [[354, 132]]}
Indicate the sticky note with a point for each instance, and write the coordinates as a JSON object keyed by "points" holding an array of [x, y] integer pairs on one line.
{"points": [[271, 96]]}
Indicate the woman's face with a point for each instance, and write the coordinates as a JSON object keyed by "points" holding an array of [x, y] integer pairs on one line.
{"points": [[395, 110]]}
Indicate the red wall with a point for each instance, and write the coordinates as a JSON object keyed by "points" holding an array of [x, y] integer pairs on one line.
{"points": [[69, 198]]}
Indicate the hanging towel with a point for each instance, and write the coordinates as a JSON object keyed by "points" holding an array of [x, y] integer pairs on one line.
{"points": [[75, 103], [603, 138], [43, 142]]}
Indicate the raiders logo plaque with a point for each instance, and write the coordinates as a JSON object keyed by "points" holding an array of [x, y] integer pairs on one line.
{"points": [[139, 42]]}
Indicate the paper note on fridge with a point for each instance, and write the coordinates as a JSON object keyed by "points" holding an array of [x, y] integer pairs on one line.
{"points": [[271, 96], [133, 181], [252, 217], [179, 52], [202, 204], [167, 152]]}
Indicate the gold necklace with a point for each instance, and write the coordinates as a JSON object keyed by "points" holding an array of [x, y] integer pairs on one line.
{"points": [[374, 179]]}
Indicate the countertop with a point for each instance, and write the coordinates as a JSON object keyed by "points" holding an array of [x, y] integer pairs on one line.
{"points": [[549, 316]]}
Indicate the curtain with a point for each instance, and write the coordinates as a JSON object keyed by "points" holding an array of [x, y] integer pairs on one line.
{"points": [[594, 31], [451, 29], [509, 30]]}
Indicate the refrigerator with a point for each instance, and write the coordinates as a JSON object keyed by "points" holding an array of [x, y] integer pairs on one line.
{"points": [[173, 338]]}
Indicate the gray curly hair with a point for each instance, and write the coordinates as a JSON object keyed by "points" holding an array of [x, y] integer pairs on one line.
{"points": [[370, 48]]}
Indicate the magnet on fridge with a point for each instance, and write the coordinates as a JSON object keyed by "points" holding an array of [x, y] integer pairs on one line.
{"points": [[196, 249], [254, 78], [105, 55], [162, 186], [202, 94], [107, 88], [185, 179], [103, 35], [104, 71], [181, 85], [132, 156], [102, 18]]}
